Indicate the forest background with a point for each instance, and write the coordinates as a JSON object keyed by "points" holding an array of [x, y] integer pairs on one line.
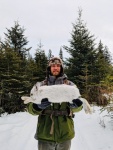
{"points": [[89, 66]]}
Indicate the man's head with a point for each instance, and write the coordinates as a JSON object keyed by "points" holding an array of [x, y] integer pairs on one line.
{"points": [[55, 67]]}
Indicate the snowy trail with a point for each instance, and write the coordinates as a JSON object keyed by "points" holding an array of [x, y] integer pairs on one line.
{"points": [[20, 134], [90, 135], [17, 132]]}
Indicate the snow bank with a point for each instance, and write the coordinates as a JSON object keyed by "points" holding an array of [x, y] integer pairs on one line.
{"points": [[17, 131]]}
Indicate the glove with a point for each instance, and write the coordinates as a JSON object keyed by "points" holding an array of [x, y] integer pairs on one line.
{"points": [[44, 103], [76, 103]]}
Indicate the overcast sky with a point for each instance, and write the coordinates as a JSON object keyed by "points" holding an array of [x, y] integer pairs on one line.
{"points": [[50, 21]]}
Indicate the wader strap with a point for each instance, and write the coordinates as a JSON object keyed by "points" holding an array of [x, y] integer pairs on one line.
{"points": [[55, 112], [52, 125]]}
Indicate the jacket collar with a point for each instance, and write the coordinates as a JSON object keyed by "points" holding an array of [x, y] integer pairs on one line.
{"points": [[56, 80]]}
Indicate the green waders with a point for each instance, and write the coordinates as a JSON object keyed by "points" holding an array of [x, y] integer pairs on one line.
{"points": [[45, 145]]}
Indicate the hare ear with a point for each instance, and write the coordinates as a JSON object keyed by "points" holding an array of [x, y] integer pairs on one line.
{"points": [[38, 84]]}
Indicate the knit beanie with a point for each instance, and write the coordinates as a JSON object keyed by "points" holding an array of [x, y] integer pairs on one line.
{"points": [[55, 60]]}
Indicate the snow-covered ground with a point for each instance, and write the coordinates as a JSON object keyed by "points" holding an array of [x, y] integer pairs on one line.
{"points": [[93, 131]]}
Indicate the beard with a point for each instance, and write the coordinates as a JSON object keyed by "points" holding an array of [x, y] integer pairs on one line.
{"points": [[55, 73]]}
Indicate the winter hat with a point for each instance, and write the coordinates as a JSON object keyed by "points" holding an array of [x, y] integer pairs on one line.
{"points": [[55, 60]]}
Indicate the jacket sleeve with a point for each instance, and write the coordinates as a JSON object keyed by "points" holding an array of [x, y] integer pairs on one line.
{"points": [[32, 109], [77, 109]]}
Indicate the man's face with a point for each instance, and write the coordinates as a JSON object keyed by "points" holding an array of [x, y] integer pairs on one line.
{"points": [[55, 69]]}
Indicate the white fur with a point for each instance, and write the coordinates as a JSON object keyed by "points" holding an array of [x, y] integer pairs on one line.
{"points": [[55, 94], [87, 108]]}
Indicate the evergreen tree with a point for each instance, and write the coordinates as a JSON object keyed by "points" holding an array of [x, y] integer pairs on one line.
{"points": [[15, 39], [13, 70], [88, 66], [100, 68], [82, 54], [61, 54], [102, 64], [107, 55], [41, 63], [13, 82], [31, 70], [49, 54]]}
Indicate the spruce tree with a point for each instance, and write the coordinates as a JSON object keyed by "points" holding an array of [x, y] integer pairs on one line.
{"points": [[49, 54], [100, 68], [103, 64], [15, 39], [31, 70], [41, 63], [13, 68], [13, 83], [82, 54], [61, 54], [107, 55]]}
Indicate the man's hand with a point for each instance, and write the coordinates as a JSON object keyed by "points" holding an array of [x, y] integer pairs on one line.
{"points": [[81, 101], [75, 103], [44, 104]]}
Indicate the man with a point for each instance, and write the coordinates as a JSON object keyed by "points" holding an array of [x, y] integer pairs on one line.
{"points": [[55, 127]]}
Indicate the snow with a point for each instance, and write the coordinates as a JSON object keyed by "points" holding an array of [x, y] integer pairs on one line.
{"points": [[92, 131]]}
